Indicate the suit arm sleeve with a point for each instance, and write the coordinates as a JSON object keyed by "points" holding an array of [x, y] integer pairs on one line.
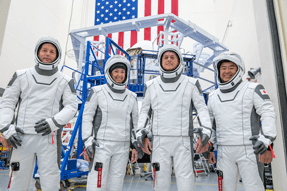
{"points": [[134, 120], [70, 107], [88, 114], [135, 114], [212, 121], [9, 101], [201, 109], [265, 110], [145, 109]]}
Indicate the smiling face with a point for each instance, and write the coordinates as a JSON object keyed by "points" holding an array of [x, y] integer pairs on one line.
{"points": [[118, 75], [227, 71], [169, 61], [47, 53]]}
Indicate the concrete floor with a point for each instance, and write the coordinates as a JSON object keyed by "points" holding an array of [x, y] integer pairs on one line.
{"points": [[132, 183]]}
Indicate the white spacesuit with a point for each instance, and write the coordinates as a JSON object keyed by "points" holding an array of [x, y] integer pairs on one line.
{"points": [[46, 101], [236, 109], [110, 116], [170, 99]]}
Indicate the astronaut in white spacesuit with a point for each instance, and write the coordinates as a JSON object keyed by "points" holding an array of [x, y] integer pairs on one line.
{"points": [[236, 109], [109, 121], [170, 99], [45, 100]]}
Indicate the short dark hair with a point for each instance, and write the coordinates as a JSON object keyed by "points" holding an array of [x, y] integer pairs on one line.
{"points": [[118, 65], [221, 61]]}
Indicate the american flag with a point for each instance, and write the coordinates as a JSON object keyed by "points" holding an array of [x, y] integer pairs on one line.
{"points": [[117, 10]]}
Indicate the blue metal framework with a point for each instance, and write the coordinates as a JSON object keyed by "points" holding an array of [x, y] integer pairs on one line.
{"points": [[170, 22], [4, 156]]}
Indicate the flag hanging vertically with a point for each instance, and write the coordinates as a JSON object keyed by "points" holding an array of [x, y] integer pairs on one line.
{"points": [[117, 10]]}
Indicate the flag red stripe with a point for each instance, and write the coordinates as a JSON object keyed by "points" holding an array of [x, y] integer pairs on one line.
{"points": [[147, 31], [160, 11], [97, 38], [121, 40], [160, 6], [174, 7], [110, 36], [134, 37]]}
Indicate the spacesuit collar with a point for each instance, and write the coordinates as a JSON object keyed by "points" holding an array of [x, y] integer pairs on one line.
{"points": [[170, 80], [46, 72], [230, 89], [115, 90]]}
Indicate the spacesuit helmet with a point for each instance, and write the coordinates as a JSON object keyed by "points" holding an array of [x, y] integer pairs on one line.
{"points": [[117, 61], [175, 72], [237, 78], [55, 63]]}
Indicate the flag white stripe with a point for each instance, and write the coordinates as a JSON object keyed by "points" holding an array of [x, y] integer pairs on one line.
{"points": [[102, 38], [127, 40], [141, 6], [154, 11], [141, 35], [167, 6], [115, 37]]}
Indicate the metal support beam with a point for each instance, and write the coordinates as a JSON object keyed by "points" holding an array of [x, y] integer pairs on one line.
{"points": [[137, 26], [166, 29], [187, 28]]}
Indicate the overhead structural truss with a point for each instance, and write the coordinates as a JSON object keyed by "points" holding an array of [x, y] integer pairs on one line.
{"points": [[169, 20]]}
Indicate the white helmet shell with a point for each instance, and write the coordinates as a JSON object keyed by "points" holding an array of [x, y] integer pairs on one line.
{"points": [[118, 87], [237, 78], [178, 70], [55, 63]]}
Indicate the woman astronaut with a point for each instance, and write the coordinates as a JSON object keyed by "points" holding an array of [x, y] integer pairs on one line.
{"points": [[110, 115]]}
